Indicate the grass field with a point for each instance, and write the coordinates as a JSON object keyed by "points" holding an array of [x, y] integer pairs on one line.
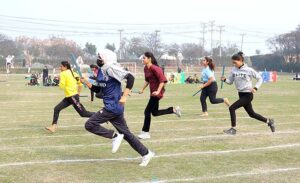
{"points": [[188, 149]]}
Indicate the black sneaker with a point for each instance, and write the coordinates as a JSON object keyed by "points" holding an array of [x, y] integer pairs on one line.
{"points": [[271, 124], [231, 131]]}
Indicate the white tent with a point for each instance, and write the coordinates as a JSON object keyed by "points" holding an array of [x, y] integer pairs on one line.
{"points": [[166, 56]]}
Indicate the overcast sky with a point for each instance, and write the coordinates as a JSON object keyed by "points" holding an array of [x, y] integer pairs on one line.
{"points": [[98, 21]]}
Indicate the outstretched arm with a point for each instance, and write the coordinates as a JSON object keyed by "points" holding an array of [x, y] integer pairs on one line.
{"points": [[228, 80], [93, 88]]}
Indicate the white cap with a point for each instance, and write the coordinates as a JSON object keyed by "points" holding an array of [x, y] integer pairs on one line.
{"points": [[108, 56]]}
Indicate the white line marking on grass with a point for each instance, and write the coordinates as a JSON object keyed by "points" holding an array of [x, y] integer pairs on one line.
{"points": [[26, 163], [192, 138], [236, 174], [159, 121], [155, 131], [184, 107], [130, 114]]}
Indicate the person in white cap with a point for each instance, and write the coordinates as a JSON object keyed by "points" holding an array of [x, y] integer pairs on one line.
{"points": [[108, 80]]}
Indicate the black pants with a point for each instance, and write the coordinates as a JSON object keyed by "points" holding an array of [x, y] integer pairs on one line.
{"points": [[244, 101], [152, 108], [211, 92], [93, 125], [66, 102]]}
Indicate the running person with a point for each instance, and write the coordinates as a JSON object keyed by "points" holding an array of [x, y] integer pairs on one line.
{"points": [[242, 76], [109, 80], [156, 80], [72, 86], [92, 78], [9, 63], [209, 87]]}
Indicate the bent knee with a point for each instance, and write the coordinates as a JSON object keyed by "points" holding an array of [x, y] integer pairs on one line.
{"points": [[89, 126]]}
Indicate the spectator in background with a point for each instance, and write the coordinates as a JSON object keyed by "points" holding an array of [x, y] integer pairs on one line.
{"points": [[93, 77]]}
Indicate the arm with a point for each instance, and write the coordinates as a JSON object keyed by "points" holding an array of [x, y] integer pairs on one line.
{"points": [[161, 78], [210, 75], [130, 81], [259, 79], [228, 80], [93, 88], [144, 87], [62, 81], [210, 80], [160, 86], [79, 89]]}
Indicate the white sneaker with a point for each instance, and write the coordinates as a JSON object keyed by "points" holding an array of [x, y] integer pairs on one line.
{"points": [[144, 135], [204, 114], [116, 142], [146, 159], [177, 111]]}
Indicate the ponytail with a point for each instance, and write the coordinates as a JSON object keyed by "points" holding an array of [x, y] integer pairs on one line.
{"points": [[210, 63], [68, 66], [238, 56]]}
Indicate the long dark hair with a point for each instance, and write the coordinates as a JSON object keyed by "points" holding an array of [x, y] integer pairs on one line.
{"points": [[68, 66], [210, 63], [153, 59], [238, 56]]}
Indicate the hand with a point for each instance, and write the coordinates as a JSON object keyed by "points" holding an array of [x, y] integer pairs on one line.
{"points": [[253, 90], [83, 80], [123, 100], [201, 87], [141, 91], [155, 93], [223, 78]]}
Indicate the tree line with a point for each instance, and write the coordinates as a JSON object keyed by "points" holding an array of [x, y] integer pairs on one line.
{"points": [[285, 53]]}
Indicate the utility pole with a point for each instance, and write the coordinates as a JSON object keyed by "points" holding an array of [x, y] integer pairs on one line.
{"points": [[120, 47], [242, 41], [203, 27], [211, 24], [221, 30], [155, 44], [297, 33]]}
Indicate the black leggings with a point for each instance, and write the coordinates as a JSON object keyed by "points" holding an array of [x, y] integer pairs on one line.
{"points": [[152, 108], [244, 101], [211, 92], [66, 102]]}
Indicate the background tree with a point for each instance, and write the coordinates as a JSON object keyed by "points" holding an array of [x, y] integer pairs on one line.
{"points": [[111, 47], [90, 49]]}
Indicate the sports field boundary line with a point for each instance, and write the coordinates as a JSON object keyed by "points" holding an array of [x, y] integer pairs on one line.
{"points": [[195, 153], [235, 174], [158, 121], [222, 136]]}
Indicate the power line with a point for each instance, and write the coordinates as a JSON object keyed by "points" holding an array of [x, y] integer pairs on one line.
{"points": [[98, 23]]}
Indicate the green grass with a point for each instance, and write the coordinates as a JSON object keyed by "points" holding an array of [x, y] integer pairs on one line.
{"points": [[190, 148]]}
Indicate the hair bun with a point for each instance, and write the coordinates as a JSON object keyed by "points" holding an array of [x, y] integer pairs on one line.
{"points": [[240, 53]]}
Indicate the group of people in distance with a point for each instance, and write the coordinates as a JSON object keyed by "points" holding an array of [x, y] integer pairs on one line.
{"points": [[108, 80]]}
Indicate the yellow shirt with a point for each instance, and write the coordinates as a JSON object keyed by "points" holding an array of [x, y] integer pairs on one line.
{"points": [[68, 83]]}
